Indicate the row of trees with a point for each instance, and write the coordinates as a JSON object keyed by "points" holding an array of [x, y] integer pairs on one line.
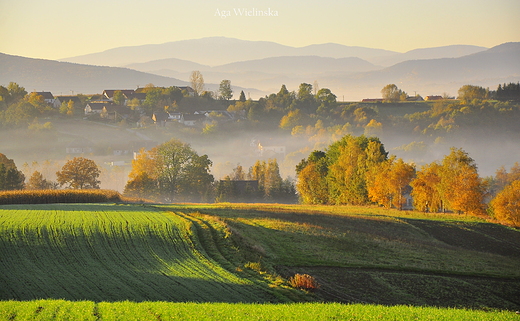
{"points": [[353, 170], [77, 173], [358, 171], [173, 171], [260, 184]]}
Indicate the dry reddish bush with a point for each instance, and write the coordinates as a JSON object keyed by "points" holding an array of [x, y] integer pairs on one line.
{"points": [[304, 281]]}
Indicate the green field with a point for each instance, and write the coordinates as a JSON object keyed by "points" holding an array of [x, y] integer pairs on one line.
{"points": [[107, 257], [153, 311]]}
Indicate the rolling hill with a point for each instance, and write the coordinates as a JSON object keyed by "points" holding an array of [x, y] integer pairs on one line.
{"points": [[486, 68], [246, 253], [64, 77], [453, 51], [359, 78], [353, 78]]}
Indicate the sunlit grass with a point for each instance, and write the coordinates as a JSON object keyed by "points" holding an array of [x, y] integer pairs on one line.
{"points": [[248, 253], [143, 311], [350, 236], [110, 252]]}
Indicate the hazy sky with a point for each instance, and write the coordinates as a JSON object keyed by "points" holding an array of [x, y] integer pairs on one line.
{"points": [[56, 29]]}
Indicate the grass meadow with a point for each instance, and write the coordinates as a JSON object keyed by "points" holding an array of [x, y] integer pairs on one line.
{"points": [[234, 261], [152, 311]]}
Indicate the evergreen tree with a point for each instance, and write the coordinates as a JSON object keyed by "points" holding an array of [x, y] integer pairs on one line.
{"points": [[242, 96]]}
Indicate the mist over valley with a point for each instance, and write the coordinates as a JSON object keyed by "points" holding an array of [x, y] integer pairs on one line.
{"points": [[259, 69]]}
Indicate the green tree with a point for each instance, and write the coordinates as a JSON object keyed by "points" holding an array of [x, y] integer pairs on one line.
{"points": [[79, 173], [16, 92], [273, 180], [154, 100], [305, 100], [10, 177], [242, 96], [38, 182], [391, 93], [178, 171], [225, 91], [470, 92], [20, 114], [118, 98], [326, 99]]}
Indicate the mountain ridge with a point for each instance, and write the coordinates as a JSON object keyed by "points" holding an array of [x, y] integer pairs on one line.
{"points": [[485, 68], [65, 77], [222, 50]]}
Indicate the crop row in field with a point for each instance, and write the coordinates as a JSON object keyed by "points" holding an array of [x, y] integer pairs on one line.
{"points": [[246, 253], [143, 311], [362, 254], [111, 253]]}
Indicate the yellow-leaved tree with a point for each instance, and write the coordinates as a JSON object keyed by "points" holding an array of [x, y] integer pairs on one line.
{"points": [[460, 186], [506, 205], [388, 183], [312, 179], [425, 191]]}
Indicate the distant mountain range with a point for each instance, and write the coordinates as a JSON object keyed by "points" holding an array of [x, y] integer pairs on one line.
{"points": [[216, 51], [487, 68], [260, 68], [63, 78]]}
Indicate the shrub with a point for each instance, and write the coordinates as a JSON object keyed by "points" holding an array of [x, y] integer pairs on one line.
{"points": [[304, 281]]}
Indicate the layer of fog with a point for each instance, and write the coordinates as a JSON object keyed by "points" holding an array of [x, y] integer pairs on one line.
{"points": [[47, 153]]}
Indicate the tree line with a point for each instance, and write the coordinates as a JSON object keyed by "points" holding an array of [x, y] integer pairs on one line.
{"points": [[355, 170], [358, 171]]}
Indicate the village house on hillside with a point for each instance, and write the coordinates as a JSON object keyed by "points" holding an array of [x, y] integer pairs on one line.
{"points": [[95, 107], [65, 99], [115, 112], [372, 100], [48, 97], [188, 90], [192, 119], [160, 118], [109, 93], [433, 98]]}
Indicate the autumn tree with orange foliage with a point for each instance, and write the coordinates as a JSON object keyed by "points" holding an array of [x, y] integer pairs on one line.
{"points": [[387, 184], [454, 184], [425, 192], [503, 178], [461, 187], [144, 177], [506, 205]]}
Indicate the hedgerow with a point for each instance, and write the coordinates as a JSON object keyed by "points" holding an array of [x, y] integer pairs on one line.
{"points": [[59, 196]]}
